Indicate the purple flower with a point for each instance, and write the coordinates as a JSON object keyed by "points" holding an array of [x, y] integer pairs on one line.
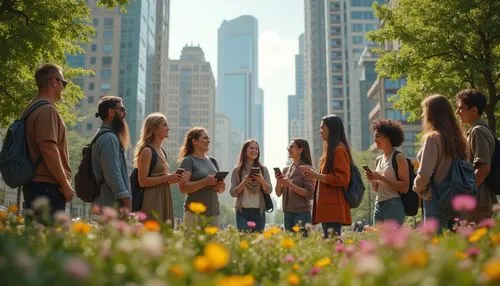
{"points": [[463, 203], [251, 224], [314, 271]]}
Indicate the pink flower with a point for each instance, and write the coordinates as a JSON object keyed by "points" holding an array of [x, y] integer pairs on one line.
{"points": [[465, 231], [473, 251], [314, 271], [367, 246], [340, 247], [429, 227], [251, 224], [396, 238], [108, 214], [141, 216], [289, 258], [463, 203], [349, 250], [487, 223], [123, 227], [77, 268]]}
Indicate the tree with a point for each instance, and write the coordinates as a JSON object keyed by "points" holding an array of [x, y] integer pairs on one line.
{"points": [[446, 46], [37, 31]]}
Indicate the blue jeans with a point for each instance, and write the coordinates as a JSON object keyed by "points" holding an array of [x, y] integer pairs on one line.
{"points": [[335, 226], [250, 214], [292, 219], [52, 192], [392, 208], [431, 210]]}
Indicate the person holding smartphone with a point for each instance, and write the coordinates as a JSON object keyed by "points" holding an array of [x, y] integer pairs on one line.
{"points": [[249, 181], [384, 180], [156, 182], [199, 183], [296, 189]]}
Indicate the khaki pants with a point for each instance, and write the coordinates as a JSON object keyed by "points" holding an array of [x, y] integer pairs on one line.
{"points": [[190, 219]]}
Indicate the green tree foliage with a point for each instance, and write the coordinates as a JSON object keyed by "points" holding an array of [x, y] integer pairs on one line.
{"points": [[446, 46], [36, 31]]}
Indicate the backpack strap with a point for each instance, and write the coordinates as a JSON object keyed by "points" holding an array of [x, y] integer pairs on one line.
{"points": [[154, 159], [34, 107], [216, 165], [395, 163]]}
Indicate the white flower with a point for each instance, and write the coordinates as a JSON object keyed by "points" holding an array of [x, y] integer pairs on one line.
{"points": [[126, 245], [40, 203], [152, 243], [369, 264], [61, 217]]}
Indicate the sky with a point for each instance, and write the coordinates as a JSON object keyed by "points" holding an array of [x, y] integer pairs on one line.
{"points": [[280, 22]]}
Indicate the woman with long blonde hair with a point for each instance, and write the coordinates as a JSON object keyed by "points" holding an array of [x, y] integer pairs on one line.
{"points": [[155, 180], [443, 141]]}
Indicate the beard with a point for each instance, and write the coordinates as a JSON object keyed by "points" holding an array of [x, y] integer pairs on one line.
{"points": [[120, 127]]}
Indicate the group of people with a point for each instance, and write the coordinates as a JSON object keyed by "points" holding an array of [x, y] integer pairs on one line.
{"points": [[309, 195]]}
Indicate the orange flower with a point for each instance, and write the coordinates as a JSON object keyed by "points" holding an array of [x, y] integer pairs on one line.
{"points": [[211, 230], [495, 238], [201, 264], [287, 243], [296, 228], [13, 209], [244, 244], [81, 227], [492, 269], [293, 279], [217, 255], [177, 271], [416, 258], [323, 262], [152, 225]]}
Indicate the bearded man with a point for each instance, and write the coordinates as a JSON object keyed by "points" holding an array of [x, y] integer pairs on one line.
{"points": [[108, 154]]}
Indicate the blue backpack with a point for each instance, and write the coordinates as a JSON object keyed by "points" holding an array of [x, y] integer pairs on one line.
{"points": [[356, 189], [15, 164], [460, 180], [410, 199]]}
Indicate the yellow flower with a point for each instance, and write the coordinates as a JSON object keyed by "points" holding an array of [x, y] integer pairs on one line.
{"points": [[177, 271], [478, 234], [296, 228], [217, 255], [20, 219], [274, 230], [460, 255], [416, 258], [435, 240], [295, 266], [152, 225], [244, 244], [287, 243], [267, 234], [495, 238], [236, 280], [81, 227], [201, 264], [12, 209], [3, 215], [492, 269], [323, 262], [211, 230], [197, 208], [293, 279], [349, 241]]}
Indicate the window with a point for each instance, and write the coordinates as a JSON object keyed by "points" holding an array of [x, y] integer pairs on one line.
{"points": [[357, 40], [91, 86], [107, 35], [108, 22], [106, 61], [337, 104], [357, 27], [336, 67], [106, 74], [393, 84], [362, 3], [94, 48], [336, 55], [395, 115], [337, 92], [362, 15], [90, 99], [336, 42], [107, 48], [335, 18], [95, 22], [93, 60], [105, 87], [370, 27], [174, 68]]}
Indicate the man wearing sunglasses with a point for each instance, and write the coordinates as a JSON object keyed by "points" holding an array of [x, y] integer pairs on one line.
{"points": [[46, 140]]}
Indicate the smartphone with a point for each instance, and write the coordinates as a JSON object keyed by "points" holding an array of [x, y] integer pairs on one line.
{"points": [[180, 171], [366, 168], [254, 171], [277, 171], [221, 175]]}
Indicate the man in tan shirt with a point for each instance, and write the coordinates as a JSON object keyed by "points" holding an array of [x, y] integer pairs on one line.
{"points": [[46, 135], [470, 106]]}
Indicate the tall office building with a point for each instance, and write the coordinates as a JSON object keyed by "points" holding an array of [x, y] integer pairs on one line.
{"points": [[296, 118], [190, 96], [238, 94], [161, 55], [315, 98]]}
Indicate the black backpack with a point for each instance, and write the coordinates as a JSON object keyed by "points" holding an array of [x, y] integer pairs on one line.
{"points": [[356, 189], [135, 188], [493, 178], [15, 164], [86, 186], [410, 199]]}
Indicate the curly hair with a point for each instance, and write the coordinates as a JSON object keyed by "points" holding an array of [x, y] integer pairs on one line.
{"points": [[393, 130]]}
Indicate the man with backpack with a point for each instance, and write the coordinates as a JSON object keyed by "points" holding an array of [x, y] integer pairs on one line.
{"points": [[47, 144], [108, 155], [470, 106]]}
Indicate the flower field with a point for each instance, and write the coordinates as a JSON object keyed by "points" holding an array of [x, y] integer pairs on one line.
{"points": [[133, 250]]}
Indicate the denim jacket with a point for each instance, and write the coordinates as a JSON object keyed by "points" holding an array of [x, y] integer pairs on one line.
{"points": [[110, 168]]}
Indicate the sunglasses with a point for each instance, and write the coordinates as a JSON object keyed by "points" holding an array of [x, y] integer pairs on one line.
{"points": [[63, 82]]}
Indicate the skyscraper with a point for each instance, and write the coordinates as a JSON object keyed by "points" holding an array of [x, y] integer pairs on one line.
{"points": [[190, 96], [296, 119], [238, 94], [161, 55]]}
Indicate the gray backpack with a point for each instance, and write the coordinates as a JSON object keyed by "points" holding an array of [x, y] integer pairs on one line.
{"points": [[15, 164]]}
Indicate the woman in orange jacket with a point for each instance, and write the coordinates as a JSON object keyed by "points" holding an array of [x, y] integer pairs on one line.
{"points": [[330, 207]]}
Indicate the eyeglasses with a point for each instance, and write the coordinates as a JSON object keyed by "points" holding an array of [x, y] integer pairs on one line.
{"points": [[63, 82]]}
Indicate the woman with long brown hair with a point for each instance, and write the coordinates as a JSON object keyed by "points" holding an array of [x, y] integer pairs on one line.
{"points": [[296, 189], [330, 207], [199, 183], [443, 141], [156, 179], [249, 181]]}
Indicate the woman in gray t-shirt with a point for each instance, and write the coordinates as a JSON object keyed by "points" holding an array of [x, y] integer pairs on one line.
{"points": [[385, 182], [199, 183]]}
